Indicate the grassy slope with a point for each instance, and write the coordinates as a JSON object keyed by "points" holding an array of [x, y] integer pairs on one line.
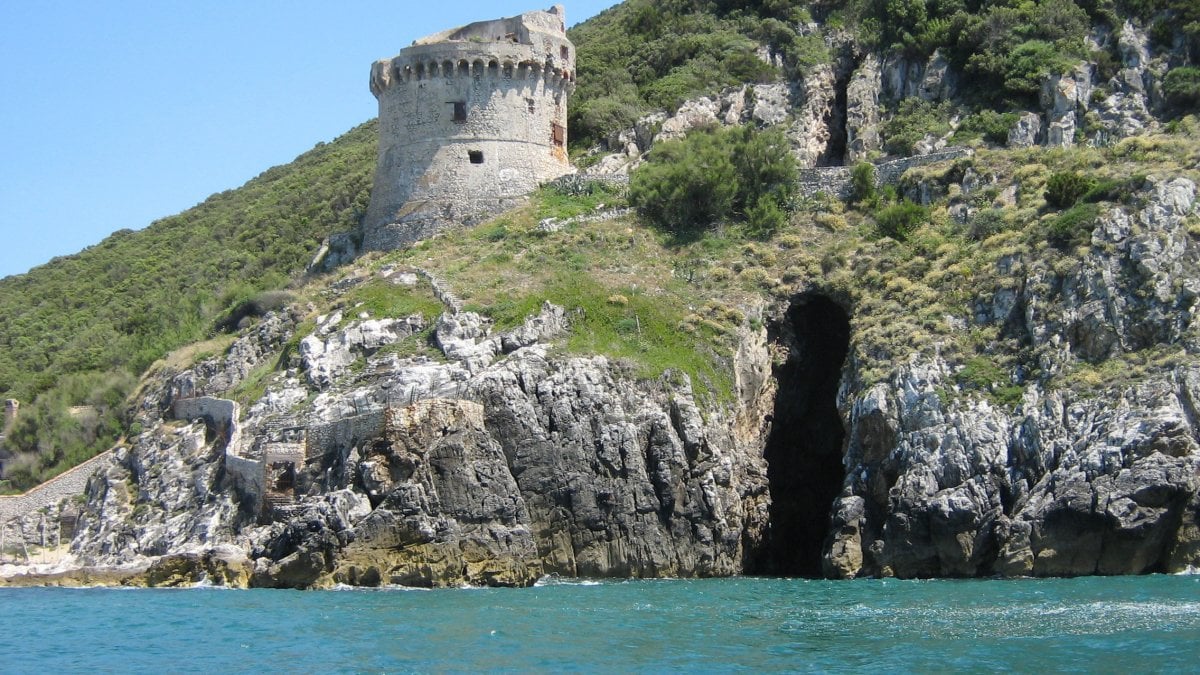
{"points": [[638, 295]]}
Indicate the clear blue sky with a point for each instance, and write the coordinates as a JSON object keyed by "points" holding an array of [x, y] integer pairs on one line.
{"points": [[116, 113]]}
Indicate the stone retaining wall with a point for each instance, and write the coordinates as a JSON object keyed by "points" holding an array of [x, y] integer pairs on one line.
{"points": [[580, 183], [221, 415], [345, 433], [835, 180], [68, 484]]}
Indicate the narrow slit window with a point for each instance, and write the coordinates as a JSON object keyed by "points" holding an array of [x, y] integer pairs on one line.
{"points": [[476, 156], [460, 111], [566, 53], [532, 105]]}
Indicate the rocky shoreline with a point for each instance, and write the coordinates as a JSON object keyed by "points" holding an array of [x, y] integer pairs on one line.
{"points": [[348, 452]]}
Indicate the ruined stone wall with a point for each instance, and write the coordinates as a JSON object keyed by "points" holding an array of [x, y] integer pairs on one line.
{"points": [[469, 120], [347, 432], [581, 183], [835, 180], [64, 486], [222, 416]]}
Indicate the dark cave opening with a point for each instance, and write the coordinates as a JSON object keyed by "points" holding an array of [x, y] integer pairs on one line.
{"points": [[804, 449]]}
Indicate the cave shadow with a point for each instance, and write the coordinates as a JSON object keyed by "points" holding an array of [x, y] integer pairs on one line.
{"points": [[805, 446]]}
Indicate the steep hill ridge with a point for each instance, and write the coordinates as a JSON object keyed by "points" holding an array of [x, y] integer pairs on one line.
{"points": [[1016, 395]]}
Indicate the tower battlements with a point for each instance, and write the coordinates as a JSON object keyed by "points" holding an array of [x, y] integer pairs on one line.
{"points": [[470, 120]]}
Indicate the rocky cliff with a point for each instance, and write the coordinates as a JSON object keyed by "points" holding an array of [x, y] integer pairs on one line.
{"points": [[497, 465], [992, 396], [501, 459], [1067, 483]]}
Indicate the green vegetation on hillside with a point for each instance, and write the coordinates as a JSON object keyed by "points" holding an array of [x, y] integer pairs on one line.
{"points": [[644, 55], [108, 312], [911, 276], [75, 333]]}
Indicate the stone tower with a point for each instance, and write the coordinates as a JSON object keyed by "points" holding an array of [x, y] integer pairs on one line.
{"points": [[470, 119]]}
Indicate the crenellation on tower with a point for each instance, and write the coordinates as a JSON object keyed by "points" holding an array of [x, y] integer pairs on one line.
{"points": [[470, 120]]}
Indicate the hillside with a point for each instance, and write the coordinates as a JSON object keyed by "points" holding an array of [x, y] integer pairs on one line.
{"points": [[78, 330], [800, 352]]}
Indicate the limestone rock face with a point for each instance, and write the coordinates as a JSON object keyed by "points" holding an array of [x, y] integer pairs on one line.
{"points": [[810, 132], [621, 482], [495, 467], [1064, 98], [326, 359], [1065, 484], [1126, 110], [448, 509], [246, 353], [1026, 131], [931, 80], [862, 111]]}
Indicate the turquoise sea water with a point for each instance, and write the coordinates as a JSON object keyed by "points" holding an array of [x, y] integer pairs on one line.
{"points": [[1125, 624]]}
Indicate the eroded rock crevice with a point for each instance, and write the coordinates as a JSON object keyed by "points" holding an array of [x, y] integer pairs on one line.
{"points": [[836, 116], [804, 449]]}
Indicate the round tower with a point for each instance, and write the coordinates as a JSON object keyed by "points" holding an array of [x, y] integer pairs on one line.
{"points": [[470, 119]]}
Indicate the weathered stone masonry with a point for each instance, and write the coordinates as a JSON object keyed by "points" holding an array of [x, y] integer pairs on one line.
{"points": [[68, 484], [470, 119], [835, 180]]}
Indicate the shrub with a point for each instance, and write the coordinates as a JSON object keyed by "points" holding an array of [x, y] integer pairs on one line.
{"points": [[862, 183], [1064, 188], [765, 217], [686, 185], [1027, 65], [1072, 226], [1181, 87], [716, 175], [989, 125], [766, 169], [1008, 47], [899, 221], [913, 119], [1114, 190], [986, 223], [981, 373]]}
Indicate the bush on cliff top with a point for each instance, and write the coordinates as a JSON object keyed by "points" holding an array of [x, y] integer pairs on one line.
{"points": [[716, 175]]}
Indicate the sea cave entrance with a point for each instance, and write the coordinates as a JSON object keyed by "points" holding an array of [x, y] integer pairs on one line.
{"points": [[804, 449]]}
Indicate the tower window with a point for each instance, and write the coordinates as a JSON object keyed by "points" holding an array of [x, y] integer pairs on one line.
{"points": [[558, 134], [532, 105], [460, 111], [566, 53], [476, 156]]}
